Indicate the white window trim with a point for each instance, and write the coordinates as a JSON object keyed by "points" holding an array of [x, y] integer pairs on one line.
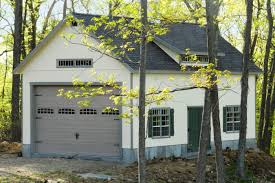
{"points": [[160, 126], [233, 122]]}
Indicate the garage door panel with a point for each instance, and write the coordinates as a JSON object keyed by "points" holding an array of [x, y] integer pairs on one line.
{"points": [[60, 101], [69, 132], [93, 124], [79, 149], [58, 120]]}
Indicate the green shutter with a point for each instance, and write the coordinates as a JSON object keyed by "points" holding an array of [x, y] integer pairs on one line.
{"points": [[172, 131], [224, 119], [150, 124]]}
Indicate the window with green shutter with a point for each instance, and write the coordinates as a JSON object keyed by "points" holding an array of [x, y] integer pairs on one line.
{"points": [[160, 122]]}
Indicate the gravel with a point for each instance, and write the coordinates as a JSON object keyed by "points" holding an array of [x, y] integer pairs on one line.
{"points": [[11, 164]]}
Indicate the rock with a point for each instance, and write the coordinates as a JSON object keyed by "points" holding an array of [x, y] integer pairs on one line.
{"points": [[272, 173], [208, 168], [50, 181], [60, 180], [95, 176]]}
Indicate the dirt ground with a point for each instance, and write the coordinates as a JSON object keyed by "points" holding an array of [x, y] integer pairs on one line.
{"points": [[261, 169]]}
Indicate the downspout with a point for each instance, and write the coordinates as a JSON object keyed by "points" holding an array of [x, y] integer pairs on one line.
{"points": [[131, 120], [255, 108]]}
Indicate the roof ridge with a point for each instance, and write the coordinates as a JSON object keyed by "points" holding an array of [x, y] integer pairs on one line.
{"points": [[90, 14], [98, 15]]}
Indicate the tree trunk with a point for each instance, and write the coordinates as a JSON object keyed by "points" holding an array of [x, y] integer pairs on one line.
{"points": [[110, 8], [113, 5], [272, 108], [217, 132], [73, 5], [204, 138], [212, 10], [17, 46], [24, 26], [192, 10], [256, 34], [265, 77], [5, 77], [267, 137], [244, 90], [142, 83], [46, 21], [64, 9], [32, 28]]}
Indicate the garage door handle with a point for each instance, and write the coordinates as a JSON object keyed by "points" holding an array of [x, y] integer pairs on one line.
{"points": [[76, 135], [38, 141], [116, 145], [116, 119]]}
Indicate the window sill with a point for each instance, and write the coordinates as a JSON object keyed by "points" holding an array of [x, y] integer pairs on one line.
{"points": [[194, 63], [232, 132], [164, 137]]}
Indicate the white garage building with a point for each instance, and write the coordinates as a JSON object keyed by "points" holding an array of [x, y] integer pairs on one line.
{"points": [[54, 126]]}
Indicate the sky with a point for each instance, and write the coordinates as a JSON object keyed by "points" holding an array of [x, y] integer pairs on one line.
{"points": [[95, 7], [6, 23]]}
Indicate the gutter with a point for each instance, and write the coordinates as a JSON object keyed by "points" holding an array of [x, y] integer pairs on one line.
{"points": [[185, 72]]}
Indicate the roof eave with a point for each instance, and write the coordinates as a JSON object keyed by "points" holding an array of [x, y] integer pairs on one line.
{"points": [[186, 72], [19, 68]]}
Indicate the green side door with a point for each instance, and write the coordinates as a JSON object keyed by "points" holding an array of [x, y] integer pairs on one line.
{"points": [[194, 128]]}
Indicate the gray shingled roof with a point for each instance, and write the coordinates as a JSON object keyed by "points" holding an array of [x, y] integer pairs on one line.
{"points": [[181, 36]]}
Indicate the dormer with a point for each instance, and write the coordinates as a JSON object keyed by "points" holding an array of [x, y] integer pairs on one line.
{"points": [[185, 57]]}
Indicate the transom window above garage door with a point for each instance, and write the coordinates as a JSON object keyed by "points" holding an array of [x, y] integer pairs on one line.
{"points": [[74, 63]]}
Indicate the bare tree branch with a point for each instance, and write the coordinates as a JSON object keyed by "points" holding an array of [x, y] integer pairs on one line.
{"points": [[46, 21]]}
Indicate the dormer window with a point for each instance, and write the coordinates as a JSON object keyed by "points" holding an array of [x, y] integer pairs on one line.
{"points": [[195, 58]]}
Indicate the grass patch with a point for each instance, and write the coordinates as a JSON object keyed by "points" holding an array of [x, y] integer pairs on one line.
{"points": [[62, 176], [19, 179], [58, 176], [232, 177]]}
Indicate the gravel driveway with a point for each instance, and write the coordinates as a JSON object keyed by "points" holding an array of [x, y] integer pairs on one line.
{"points": [[12, 165]]}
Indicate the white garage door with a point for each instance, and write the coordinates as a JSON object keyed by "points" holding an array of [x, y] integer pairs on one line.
{"points": [[63, 127]]}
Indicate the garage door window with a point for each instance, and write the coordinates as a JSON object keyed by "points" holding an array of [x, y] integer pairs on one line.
{"points": [[66, 111], [110, 112], [88, 111], [45, 111]]}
